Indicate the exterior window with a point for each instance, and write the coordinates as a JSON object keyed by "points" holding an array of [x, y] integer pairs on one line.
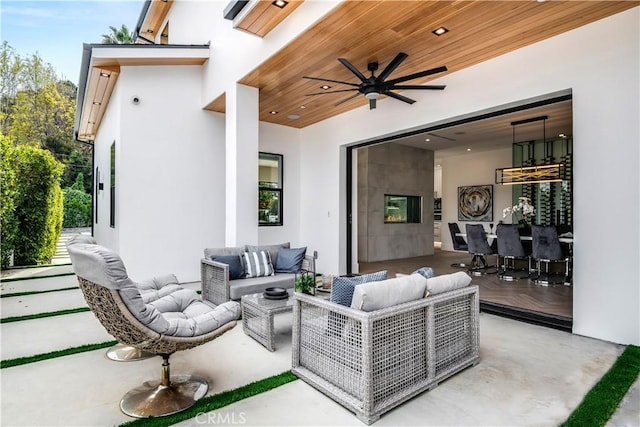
{"points": [[96, 188], [112, 215], [269, 189], [402, 209]]}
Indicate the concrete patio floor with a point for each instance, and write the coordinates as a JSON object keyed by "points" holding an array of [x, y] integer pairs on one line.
{"points": [[527, 376]]}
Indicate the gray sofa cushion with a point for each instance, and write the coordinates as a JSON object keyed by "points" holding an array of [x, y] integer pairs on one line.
{"points": [[254, 285], [447, 282], [387, 293], [231, 250], [272, 249]]}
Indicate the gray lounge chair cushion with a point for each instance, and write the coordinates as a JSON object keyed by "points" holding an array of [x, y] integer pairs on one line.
{"points": [[180, 313], [158, 287]]}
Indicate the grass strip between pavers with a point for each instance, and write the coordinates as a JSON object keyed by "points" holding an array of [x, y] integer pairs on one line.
{"points": [[217, 401], [22, 294], [45, 314], [53, 354], [17, 279], [603, 399]]}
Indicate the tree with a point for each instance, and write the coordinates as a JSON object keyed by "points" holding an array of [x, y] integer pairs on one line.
{"points": [[8, 193], [118, 36]]}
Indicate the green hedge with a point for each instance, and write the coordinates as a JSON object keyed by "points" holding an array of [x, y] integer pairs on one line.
{"points": [[77, 208], [8, 192], [38, 205]]}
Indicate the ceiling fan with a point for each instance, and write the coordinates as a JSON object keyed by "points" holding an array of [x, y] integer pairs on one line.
{"points": [[372, 87]]}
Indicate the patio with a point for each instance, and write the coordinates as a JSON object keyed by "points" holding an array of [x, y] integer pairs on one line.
{"points": [[528, 375]]}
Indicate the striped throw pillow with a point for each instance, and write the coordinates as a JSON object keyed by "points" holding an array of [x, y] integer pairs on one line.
{"points": [[258, 264]]}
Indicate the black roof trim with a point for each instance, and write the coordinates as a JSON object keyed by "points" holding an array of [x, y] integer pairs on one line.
{"points": [[143, 15], [233, 9], [149, 46]]}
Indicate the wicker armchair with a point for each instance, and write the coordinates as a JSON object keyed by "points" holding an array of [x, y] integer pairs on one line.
{"points": [[371, 362], [113, 297]]}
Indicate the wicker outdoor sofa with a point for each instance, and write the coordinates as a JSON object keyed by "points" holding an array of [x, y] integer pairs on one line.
{"points": [[370, 362], [217, 287]]}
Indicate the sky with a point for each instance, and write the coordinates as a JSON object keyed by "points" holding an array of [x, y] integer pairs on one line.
{"points": [[56, 30]]}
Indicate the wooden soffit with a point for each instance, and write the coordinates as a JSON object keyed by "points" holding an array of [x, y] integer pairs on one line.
{"points": [[101, 82], [153, 19], [366, 31], [263, 16]]}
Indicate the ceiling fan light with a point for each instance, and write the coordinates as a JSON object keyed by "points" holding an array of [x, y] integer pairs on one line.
{"points": [[372, 95]]}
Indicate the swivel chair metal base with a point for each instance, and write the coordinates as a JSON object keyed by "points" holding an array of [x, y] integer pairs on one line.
{"points": [[511, 275], [165, 397], [127, 353]]}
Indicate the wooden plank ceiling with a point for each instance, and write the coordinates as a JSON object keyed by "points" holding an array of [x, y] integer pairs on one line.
{"points": [[366, 31], [265, 16]]}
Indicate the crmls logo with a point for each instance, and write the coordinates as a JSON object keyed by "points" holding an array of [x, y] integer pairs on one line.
{"points": [[226, 418]]}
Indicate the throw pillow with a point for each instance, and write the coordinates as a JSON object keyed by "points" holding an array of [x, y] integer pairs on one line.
{"points": [[387, 293], [258, 264], [272, 249], [447, 282], [426, 272], [343, 287], [236, 268], [290, 260]]}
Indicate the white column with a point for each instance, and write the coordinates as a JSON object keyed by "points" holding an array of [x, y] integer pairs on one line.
{"points": [[241, 183]]}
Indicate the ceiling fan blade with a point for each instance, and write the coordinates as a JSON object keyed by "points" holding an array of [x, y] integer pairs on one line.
{"points": [[392, 66], [329, 80], [353, 69], [346, 99], [372, 103], [417, 75], [333, 91], [413, 87], [399, 97]]}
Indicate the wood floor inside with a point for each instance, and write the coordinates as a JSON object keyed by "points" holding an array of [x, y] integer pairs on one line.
{"points": [[521, 299]]}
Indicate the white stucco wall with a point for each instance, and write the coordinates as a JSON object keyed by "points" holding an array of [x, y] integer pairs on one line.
{"points": [[286, 141], [599, 62], [171, 172], [108, 134]]}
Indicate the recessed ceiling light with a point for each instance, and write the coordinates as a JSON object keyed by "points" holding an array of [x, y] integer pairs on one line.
{"points": [[325, 87], [303, 106], [427, 140], [562, 135], [96, 103], [104, 75], [149, 30], [440, 31], [280, 3], [294, 116], [273, 112], [468, 149]]}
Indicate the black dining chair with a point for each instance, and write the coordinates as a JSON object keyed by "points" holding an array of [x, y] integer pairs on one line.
{"points": [[479, 248], [510, 249], [459, 244], [547, 250]]}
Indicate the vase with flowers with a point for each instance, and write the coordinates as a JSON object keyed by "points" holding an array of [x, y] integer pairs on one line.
{"points": [[521, 214]]}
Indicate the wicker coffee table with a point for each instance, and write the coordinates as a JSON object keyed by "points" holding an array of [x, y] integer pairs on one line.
{"points": [[257, 316]]}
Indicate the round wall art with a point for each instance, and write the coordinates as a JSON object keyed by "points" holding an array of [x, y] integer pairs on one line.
{"points": [[475, 203]]}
